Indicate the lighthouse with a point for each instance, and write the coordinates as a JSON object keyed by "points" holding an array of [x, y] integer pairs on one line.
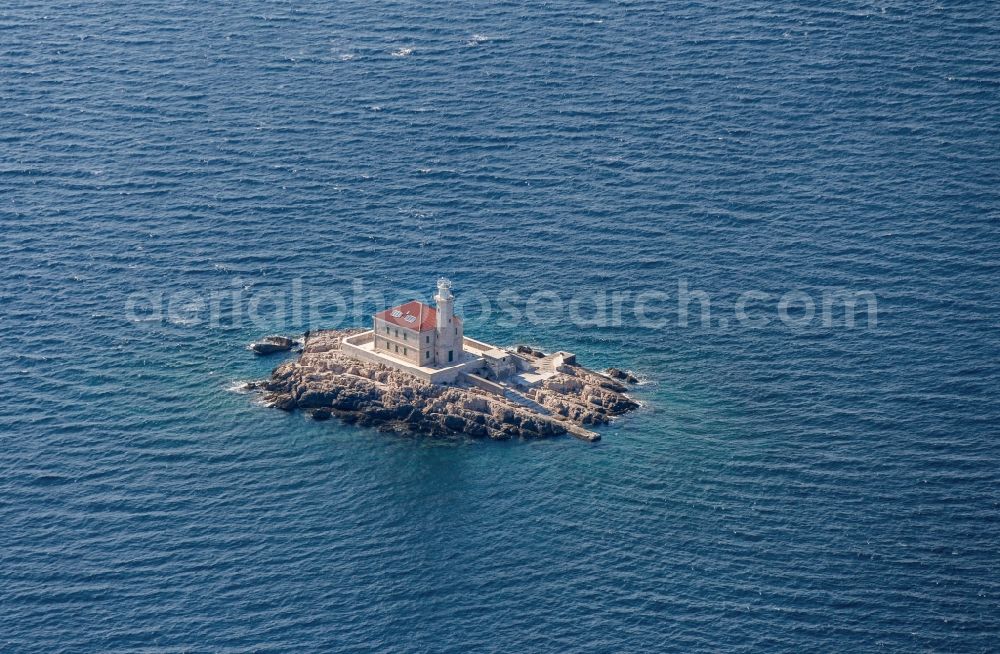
{"points": [[419, 333], [448, 329]]}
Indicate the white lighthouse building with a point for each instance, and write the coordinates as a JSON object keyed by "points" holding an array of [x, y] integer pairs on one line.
{"points": [[448, 335], [428, 342], [420, 334]]}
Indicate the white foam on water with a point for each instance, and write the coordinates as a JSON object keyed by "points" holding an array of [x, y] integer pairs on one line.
{"points": [[240, 386]]}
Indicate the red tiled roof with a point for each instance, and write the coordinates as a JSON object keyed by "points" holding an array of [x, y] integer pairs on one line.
{"points": [[426, 316]]}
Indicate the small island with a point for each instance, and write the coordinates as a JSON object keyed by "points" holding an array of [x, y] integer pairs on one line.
{"points": [[415, 371]]}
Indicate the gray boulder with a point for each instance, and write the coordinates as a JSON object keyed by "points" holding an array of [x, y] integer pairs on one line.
{"points": [[621, 375], [272, 344]]}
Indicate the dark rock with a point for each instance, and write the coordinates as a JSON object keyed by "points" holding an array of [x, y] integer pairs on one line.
{"points": [[281, 380], [613, 386], [283, 402], [523, 349], [348, 403], [477, 431], [321, 414], [511, 418], [454, 423], [310, 398], [272, 344], [404, 411], [382, 414], [437, 429], [622, 405], [621, 375]]}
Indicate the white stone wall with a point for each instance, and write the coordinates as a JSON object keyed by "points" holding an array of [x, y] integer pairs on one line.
{"points": [[354, 346], [404, 343]]}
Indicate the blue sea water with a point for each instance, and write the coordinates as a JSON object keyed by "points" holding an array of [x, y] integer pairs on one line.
{"points": [[810, 488]]}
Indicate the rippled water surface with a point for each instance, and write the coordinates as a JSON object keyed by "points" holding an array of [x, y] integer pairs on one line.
{"points": [[783, 489]]}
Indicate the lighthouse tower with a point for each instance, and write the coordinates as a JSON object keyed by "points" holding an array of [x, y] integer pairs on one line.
{"points": [[448, 330]]}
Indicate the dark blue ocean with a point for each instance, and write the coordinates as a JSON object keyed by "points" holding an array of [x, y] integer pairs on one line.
{"points": [[788, 485]]}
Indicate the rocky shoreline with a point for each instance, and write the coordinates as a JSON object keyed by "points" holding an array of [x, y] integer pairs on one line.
{"points": [[327, 383]]}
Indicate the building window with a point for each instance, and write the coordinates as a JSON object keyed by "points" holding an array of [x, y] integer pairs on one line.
{"points": [[397, 348], [428, 339], [397, 333], [451, 355], [405, 352], [427, 354], [387, 329], [404, 336], [456, 331]]}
